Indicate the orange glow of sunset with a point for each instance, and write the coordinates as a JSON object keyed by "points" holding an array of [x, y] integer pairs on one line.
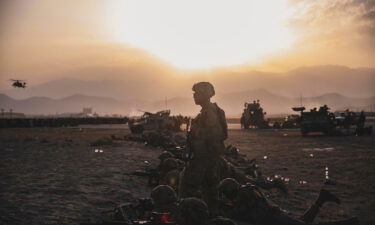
{"points": [[42, 40], [202, 34]]}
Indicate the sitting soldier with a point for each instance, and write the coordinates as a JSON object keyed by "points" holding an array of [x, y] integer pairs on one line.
{"points": [[250, 174], [133, 211], [169, 173], [154, 174], [163, 202], [247, 203], [164, 199], [165, 155]]}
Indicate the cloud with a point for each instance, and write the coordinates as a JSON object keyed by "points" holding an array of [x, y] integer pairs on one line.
{"points": [[43, 36], [332, 32], [322, 16], [369, 16]]}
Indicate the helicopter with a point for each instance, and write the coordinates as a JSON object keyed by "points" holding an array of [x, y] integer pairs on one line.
{"points": [[18, 83]]}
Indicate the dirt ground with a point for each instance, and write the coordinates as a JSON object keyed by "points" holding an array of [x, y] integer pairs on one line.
{"points": [[60, 175]]}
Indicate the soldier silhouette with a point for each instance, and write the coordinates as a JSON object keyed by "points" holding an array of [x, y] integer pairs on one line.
{"points": [[201, 175]]}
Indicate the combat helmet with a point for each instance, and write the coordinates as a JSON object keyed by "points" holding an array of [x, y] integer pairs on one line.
{"points": [[163, 195], [221, 221], [169, 164], [193, 211], [165, 155], [205, 88], [229, 187]]}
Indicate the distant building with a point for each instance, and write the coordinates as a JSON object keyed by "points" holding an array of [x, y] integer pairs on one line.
{"points": [[11, 114], [86, 112]]}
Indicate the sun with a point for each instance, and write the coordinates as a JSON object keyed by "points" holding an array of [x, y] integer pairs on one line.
{"points": [[200, 34]]}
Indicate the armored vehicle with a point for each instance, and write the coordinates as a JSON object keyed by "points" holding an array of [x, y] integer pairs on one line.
{"points": [[317, 120], [348, 123], [154, 121], [253, 116]]}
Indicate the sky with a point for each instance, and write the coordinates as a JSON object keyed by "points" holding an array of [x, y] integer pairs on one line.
{"points": [[44, 39]]}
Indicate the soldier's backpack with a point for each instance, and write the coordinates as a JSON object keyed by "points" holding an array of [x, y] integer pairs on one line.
{"points": [[223, 121]]}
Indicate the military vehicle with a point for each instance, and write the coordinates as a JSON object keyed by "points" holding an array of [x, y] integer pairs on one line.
{"points": [[317, 120], [348, 121], [324, 121], [253, 116], [154, 121]]}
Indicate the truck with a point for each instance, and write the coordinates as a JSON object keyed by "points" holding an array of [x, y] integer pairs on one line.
{"points": [[253, 116], [324, 121], [161, 120]]}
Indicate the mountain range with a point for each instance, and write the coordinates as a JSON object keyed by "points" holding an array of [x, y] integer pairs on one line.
{"points": [[128, 89], [232, 103], [124, 83]]}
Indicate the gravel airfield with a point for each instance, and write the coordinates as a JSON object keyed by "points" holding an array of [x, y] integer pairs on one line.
{"points": [[72, 175]]}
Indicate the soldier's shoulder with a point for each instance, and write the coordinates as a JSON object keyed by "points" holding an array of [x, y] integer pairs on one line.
{"points": [[219, 110], [216, 106], [209, 109], [213, 108]]}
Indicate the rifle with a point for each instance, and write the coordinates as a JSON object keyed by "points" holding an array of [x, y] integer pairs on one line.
{"points": [[187, 152]]}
